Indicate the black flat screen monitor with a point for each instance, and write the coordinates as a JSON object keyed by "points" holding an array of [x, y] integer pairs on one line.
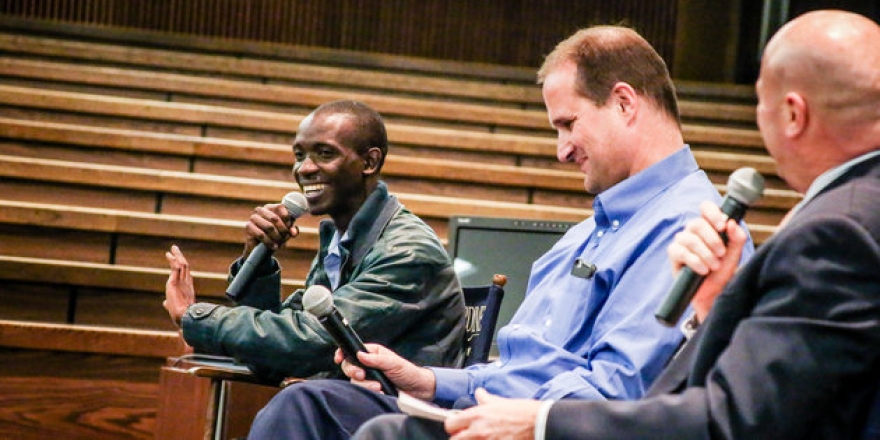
{"points": [[483, 246]]}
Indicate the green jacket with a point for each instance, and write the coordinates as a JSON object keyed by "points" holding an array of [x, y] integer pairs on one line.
{"points": [[397, 287]]}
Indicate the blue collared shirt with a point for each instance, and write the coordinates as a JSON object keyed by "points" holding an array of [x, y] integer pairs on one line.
{"points": [[597, 337], [333, 260]]}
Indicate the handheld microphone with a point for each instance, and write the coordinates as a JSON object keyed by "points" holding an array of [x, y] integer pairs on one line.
{"points": [[296, 205], [318, 302], [744, 187]]}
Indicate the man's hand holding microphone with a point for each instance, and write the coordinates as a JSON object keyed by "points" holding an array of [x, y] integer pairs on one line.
{"points": [[268, 228], [706, 253], [700, 247]]}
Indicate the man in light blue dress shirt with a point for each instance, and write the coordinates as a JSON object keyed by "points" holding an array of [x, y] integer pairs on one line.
{"points": [[791, 347], [586, 328]]}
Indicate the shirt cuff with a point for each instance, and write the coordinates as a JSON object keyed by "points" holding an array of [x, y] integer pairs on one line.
{"points": [[541, 419], [450, 384]]}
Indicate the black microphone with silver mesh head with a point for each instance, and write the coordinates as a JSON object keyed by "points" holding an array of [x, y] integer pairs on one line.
{"points": [[296, 205], [318, 301], [744, 187]]}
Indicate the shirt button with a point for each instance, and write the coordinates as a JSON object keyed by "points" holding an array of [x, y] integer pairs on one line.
{"points": [[615, 224], [600, 233], [547, 322]]}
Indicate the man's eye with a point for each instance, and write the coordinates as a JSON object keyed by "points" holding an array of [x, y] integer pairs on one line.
{"points": [[299, 156]]}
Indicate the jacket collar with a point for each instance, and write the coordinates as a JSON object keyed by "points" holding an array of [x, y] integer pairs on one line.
{"points": [[365, 227]]}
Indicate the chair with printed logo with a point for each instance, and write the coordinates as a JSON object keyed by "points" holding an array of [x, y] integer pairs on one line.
{"points": [[483, 305]]}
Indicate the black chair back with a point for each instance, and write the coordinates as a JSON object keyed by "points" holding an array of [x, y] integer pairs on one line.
{"points": [[872, 426], [483, 304]]}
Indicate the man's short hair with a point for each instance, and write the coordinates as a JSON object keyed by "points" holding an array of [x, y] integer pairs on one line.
{"points": [[606, 55], [368, 126]]}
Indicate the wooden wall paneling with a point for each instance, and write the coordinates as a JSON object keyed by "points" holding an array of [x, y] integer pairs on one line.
{"points": [[49, 150], [34, 302], [63, 244], [67, 194], [515, 32], [202, 255], [129, 309], [107, 120]]}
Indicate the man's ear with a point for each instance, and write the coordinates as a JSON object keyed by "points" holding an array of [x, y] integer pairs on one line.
{"points": [[625, 99], [372, 160], [798, 115]]}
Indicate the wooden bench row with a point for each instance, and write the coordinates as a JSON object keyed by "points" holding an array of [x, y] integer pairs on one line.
{"points": [[88, 339], [272, 97], [116, 277], [229, 92], [113, 236], [273, 71], [39, 289], [193, 149], [278, 156], [248, 192], [245, 124]]}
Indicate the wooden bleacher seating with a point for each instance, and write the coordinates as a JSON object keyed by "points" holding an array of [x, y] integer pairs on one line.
{"points": [[113, 145], [243, 124], [228, 92], [277, 156], [418, 84]]}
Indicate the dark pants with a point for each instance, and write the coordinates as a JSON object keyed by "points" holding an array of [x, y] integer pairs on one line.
{"points": [[320, 410], [400, 426]]}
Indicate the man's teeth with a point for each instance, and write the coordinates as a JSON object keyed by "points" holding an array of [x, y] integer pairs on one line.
{"points": [[313, 188]]}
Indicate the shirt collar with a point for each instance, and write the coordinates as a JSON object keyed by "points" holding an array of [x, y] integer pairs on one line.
{"points": [[614, 206], [333, 248], [828, 177]]}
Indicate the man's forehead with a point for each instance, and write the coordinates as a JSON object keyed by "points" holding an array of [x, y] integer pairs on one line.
{"points": [[325, 129]]}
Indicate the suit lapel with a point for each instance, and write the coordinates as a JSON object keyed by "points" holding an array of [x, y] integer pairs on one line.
{"points": [[674, 377]]}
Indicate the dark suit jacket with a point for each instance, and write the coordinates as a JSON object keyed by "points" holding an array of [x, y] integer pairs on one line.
{"points": [[791, 349]]}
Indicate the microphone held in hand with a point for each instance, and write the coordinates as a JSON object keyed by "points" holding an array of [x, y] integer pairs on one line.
{"points": [[296, 205], [744, 187], [318, 302]]}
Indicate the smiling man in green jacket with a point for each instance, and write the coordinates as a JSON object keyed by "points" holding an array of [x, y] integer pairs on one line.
{"points": [[389, 273]]}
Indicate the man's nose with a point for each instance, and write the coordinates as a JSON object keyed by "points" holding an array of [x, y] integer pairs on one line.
{"points": [[305, 166], [564, 150]]}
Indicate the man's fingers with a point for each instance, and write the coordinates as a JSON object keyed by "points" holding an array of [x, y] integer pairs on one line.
{"points": [[266, 225], [457, 422], [687, 249], [713, 214], [736, 235], [483, 396], [369, 384], [353, 371]]}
